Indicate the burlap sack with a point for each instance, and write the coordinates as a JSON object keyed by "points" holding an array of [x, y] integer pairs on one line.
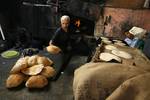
{"points": [[136, 88], [95, 81]]}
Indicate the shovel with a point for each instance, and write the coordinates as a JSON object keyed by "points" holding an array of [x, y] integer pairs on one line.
{"points": [[2, 34]]}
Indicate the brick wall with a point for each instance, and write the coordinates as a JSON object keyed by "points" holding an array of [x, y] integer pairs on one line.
{"points": [[122, 20]]}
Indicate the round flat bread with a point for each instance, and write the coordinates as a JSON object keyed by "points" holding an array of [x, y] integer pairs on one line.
{"points": [[122, 54], [120, 43], [108, 57], [34, 70], [110, 47], [117, 41], [107, 41], [104, 38]]}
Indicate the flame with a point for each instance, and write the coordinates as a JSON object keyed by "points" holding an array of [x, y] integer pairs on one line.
{"points": [[77, 23]]}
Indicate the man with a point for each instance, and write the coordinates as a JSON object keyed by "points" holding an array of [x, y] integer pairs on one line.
{"points": [[61, 37], [67, 42], [135, 37]]}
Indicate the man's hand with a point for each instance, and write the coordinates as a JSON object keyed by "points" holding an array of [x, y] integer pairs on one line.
{"points": [[50, 42]]}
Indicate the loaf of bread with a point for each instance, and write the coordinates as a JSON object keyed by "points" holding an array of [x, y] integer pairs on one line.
{"points": [[14, 80], [20, 64], [48, 72], [45, 61], [53, 49], [33, 60], [38, 81]]}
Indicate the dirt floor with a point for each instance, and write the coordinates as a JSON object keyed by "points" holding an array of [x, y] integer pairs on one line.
{"points": [[56, 90]]}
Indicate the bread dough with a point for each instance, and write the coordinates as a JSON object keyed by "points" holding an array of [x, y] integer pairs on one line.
{"points": [[110, 47], [122, 54], [108, 57]]}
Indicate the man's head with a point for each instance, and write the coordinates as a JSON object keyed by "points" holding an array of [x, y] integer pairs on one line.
{"points": [[65, 21]]}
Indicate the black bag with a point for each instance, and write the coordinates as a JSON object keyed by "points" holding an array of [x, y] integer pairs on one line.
{"points": [[5, 45]]}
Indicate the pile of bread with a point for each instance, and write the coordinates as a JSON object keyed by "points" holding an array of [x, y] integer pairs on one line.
{"points": [[115, 41], [114, 54], [34, 71]]}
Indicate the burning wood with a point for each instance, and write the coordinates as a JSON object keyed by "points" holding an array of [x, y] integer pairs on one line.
{"points": [[77, 23]]}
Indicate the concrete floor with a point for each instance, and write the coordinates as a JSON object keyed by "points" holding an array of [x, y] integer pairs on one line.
{"points": [[56, 90]]}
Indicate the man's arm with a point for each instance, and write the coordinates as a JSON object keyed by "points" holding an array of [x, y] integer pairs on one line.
{"points": [[54, 38], [50, 42]]}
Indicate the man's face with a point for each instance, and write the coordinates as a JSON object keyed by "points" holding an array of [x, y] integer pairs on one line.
{"points": [[65, 24]]}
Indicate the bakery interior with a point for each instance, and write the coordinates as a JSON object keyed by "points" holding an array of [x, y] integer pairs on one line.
{"points": [[108, 68]]}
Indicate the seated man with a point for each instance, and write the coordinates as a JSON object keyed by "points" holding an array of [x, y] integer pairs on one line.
{"points": [[67, 45], [61, 37], [135, 37]]}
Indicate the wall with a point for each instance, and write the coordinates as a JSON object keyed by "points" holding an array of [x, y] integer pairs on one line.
{"points": [[82, 9], [132, 4], [122, 20]]}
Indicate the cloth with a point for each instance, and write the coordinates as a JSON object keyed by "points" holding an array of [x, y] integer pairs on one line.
{"points": [[135, 43], [131, 42], [147, 4], [136, 88], [97, 81], [65, 58], [146, 48], [140, 44]]}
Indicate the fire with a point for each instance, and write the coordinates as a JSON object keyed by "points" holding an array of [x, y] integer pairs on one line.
{"points": [[77, 23]]}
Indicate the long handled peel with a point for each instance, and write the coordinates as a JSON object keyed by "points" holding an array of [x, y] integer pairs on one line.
{"points": [[2, 34]]}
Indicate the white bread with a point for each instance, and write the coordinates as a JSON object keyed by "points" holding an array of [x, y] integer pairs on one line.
{"points": [[108, 57], [120, 43], [110, 47], [122, 54]]}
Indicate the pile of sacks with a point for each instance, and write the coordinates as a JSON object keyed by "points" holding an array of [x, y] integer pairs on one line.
{"points": [[33, 70]]}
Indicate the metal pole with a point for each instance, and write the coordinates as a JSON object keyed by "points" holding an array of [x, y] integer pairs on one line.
{"points": [[2, 34]]}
